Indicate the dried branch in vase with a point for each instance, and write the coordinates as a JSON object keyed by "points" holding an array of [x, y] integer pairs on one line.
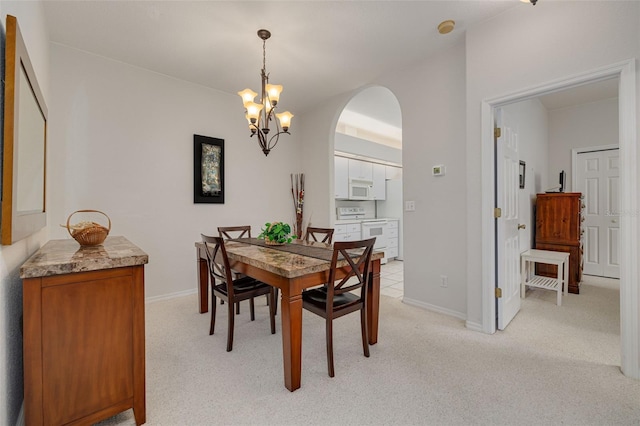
{"points": [[297, 192]]}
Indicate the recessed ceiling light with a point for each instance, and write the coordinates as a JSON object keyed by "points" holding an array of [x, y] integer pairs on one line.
{"points": [[446, 27]]}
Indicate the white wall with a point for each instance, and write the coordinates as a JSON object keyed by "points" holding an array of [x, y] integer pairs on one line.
{"points": [[525, 47], [122, 142], [580, 126], [432, 98], [530, 120], [32, 26]]}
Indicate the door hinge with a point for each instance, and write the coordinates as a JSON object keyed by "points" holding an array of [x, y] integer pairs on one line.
{"points": [[497, 212], [498, 292], [497, 132]]}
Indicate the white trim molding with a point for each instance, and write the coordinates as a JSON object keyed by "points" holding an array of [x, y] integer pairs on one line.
{"points": [[629, 208]]}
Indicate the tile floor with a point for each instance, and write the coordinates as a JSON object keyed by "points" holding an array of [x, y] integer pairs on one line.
{"points": [[392, 279]]}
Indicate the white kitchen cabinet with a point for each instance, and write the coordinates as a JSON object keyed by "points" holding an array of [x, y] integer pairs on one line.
{"points": [[379, 186], [341, 178], [362, 170], [347, 232], [393, 172], [392, 239]]}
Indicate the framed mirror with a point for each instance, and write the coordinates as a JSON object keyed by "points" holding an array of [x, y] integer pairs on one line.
{"points": [[24, 143]]}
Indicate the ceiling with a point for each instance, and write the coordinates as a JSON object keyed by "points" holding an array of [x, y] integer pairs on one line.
{"points": [[318, 49]]}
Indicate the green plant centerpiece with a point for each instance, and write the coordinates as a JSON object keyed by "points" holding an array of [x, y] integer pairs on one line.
{"points": [[276, 233]]}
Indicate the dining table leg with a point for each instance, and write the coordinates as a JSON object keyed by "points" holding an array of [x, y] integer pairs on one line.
{"points": [[373, 302], [291, 314]]}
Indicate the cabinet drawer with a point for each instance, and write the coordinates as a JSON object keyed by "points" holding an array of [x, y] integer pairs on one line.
{"points": [[392, 242], [353, 227], [392, 233], [391, 252], [392, 224], [340, 229]]}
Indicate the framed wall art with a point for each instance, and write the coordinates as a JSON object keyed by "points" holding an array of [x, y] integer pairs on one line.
{"points": [[208, 169], [24, 146]]}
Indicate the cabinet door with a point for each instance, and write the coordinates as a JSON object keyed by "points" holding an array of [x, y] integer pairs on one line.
{"points": [[341, 178], [558, 218], [379, 182], [393, 172], [362, 170]]}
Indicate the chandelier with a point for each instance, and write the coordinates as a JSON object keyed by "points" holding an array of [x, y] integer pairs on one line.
{"points": [[260, 115]]}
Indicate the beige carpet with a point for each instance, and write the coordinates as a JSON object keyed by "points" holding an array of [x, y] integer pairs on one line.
{"points": [[553, 365]]}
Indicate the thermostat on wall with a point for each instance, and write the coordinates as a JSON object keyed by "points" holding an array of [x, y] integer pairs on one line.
{"points": [[438, 170]]}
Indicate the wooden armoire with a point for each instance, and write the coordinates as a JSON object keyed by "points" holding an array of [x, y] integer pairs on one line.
{"points": [[558, 228]]}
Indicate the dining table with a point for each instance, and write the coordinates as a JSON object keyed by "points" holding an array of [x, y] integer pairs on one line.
{"points": [[291, 268]]}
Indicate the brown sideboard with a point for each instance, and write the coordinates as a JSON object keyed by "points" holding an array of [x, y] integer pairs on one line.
{"points": [[84, 338], [558, 219]]}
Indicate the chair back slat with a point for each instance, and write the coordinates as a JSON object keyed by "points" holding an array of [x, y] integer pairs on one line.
{"points": [[218, 262], [231, 232], [358, 257], [314, 233]]}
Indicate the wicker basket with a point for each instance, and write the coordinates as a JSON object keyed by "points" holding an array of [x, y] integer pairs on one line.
{"points": [[268, 242], [91, 235]]}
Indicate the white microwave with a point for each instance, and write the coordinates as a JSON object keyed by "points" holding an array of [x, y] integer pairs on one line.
{"points": [[360, 189]]}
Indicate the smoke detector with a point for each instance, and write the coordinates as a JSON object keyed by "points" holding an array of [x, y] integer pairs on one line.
{"points": [[446, 27]]}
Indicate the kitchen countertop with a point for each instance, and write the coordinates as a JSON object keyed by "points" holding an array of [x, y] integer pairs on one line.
{"points": [[365, 219]]}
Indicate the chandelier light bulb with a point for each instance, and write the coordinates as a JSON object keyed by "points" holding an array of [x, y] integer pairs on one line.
{"points": [[247, 96]]}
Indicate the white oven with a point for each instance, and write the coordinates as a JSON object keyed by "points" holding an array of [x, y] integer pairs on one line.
{"points": [[377, 229]]}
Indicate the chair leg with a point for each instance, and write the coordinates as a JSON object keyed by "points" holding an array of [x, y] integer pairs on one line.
{"points": [[272, 311], [252, 309], [363, 326], [330, 347], [275, 301], [213, 314], [237, 308], [230, 330]]}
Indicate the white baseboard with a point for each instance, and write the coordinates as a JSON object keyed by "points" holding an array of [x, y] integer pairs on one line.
{"points": [[434, 308], [474, 326], [170, 295]]}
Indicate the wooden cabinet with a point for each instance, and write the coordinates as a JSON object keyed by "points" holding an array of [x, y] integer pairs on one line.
{"points": [[558, 219], [84, 343], [392, 240], [379, 182], [361, 170], [341, 178], [347, 232]]}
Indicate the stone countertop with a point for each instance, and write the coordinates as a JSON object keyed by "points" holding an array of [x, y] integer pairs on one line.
{"points": [[283, 263], [58, 257]]}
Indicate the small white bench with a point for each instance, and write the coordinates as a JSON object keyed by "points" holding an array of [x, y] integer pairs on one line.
{"points": [[528, 278]]}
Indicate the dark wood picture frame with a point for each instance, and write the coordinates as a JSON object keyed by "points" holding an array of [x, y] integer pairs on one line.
{"points": [[523, 167], [208, 170]]}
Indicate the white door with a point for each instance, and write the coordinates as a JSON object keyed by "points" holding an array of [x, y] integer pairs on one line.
{"points": [[597, 178], [507, 239]]}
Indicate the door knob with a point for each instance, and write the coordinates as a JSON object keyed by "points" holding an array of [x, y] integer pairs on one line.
{"points": [[614, 221], [522, 226]]}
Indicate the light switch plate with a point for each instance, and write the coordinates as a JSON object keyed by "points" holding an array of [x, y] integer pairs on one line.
{"points": [[410, 206]]}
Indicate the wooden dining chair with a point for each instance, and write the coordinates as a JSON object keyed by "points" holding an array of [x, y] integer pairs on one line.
{"points": [[229, 233], [244, 231], [230, 289], [339, 296], [313, 234]]}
